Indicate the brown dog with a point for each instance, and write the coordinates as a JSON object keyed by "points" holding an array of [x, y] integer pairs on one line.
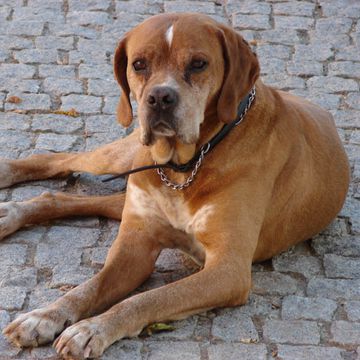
{"points": [[264, 187]]}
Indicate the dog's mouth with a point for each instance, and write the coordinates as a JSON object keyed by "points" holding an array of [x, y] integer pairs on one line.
{"points": [[162, 128], [154, 128], [165, 140]]}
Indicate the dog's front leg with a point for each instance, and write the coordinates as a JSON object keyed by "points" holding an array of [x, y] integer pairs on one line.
{"points": [[130, 261], [113, 158], [224, 281]]}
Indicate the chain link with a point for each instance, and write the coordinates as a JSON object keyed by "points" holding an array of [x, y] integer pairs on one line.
{"points": [[204, 149], [251, 99]]}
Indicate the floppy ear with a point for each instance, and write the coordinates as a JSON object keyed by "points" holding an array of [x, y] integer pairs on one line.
{"points": [[241, 71], [124, 110]]}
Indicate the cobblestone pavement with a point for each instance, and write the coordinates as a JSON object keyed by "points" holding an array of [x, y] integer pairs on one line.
{"points": [[56, 54]]}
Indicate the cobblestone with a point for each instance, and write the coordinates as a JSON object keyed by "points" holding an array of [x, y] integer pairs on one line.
{"points": [[12, 254], [13, 121], [73, 276], [251, 22], [43, 297], [345, 68], [248, 7], [308, 266], [305, 68], [310, 53], [56, 123], [293, 22], [54, 42], [12, 297], [52, 255], [174, 351], [15, 42], [298, 308], [274, 283], [233, 325], [341, 267], [79, 5], [334, 288], [36, 56], [20, 27], [288, 352], [206, 7], [352, 309], [57, 71], [345, 333], [101, 87], [96, 72], [16, 276], [345, 245], [81, 103], [332, 84], [237, 351], [353, 100], [63, 86], [294, 332], [88, 18], [30, 102], [55, 142], [58, 54], [299, 8], [129, 350], [73, 237], [17, 71]]}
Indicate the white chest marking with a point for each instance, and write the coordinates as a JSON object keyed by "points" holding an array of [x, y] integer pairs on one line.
{"points": [[171, 210], [169, 35]]}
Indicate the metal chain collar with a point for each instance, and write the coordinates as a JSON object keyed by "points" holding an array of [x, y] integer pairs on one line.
{"points": [[204, 149]]}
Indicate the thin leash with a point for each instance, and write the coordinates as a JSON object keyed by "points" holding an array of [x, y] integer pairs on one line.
{"points": [[195, 163]]}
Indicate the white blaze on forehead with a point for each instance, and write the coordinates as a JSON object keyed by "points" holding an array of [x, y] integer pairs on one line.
{"points": [[169, 35]]}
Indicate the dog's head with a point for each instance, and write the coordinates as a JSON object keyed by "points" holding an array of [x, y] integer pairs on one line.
{"points": [[178, 68]]}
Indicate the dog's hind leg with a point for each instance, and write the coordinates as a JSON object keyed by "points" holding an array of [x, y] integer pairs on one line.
{"points": [[14, 215], [113, 158]]}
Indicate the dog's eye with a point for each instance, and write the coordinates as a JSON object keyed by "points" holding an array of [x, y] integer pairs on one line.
{"points": [[197, 65], [139, 65]]}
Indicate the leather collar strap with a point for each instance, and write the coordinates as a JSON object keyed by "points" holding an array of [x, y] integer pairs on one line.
{"points": [[242, 110]]}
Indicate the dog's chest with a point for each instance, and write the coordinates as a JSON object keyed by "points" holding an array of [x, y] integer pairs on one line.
{"points": [[171, 209]]}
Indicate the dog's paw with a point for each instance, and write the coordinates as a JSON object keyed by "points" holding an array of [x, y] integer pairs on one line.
{"points": [[11, 218], [85, 339], [35, 328], [6, 174]]}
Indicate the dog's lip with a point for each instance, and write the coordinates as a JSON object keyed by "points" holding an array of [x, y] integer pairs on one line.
{"points": [[163, 129]]}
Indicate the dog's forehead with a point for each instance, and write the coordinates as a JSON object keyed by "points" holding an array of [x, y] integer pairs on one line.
{"points": [[164, 33]]}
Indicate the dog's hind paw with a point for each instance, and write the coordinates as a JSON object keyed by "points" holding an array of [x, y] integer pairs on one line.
{"points": [[11, 218], [6, 175]]}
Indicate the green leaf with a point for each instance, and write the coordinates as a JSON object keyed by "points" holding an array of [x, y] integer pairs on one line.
{"points": [[158, 327]]}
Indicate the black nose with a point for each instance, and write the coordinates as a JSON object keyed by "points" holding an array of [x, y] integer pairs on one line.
{"points": [[162, 98]]}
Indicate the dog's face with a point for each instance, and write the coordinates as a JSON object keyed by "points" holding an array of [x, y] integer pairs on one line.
{"points": [[177, 66]]}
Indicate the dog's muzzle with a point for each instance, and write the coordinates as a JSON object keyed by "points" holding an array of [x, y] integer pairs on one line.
{"points": [[161, 103]]}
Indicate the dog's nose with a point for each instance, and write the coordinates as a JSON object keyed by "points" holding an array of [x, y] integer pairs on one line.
{"points": [[162, 98]]}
